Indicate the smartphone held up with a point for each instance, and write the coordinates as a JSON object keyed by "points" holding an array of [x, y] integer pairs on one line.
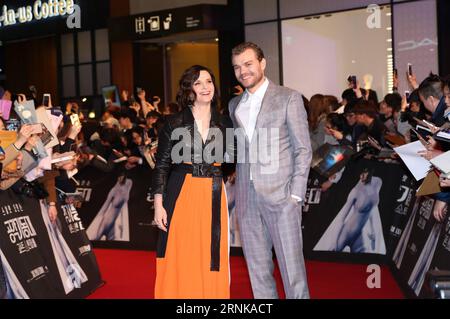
{"points": [[75, 119], [410, 70], [46, 100]]}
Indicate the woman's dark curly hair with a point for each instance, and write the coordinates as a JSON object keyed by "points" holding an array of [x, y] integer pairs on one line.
{"points": [[186, 95]]}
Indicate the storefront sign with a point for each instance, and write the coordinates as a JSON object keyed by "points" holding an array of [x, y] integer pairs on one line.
{"points": [[40, 10], [153, 24], [165, 23]]}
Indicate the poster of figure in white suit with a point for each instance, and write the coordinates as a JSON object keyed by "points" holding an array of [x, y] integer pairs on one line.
{"points": [[357, 227], [12, 288], [419, 246], [69, 269], [400, 251], [417, 278], [112, 221]]}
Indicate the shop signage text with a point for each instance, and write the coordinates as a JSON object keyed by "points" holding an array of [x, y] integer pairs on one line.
{"points": [[40, 10]]}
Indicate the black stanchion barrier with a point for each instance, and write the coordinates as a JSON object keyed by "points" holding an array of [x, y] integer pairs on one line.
{"points": [[424, 246], [367, 214]]}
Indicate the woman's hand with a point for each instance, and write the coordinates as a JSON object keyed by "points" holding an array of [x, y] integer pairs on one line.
{"points": [[69, 165], [141, 95], [412, 80], [32, 142], [52, 213], [156, 101], [440, 210], [337, 135], [74, 131], [160, 218], [24, 134], [136, 107], [19, 161], [429, 155], [326, 185], [150, 106], [21, 98], [125, 95], [433, 144]]}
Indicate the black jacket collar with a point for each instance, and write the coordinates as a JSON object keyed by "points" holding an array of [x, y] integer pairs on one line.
{"points": [[188, 117]]}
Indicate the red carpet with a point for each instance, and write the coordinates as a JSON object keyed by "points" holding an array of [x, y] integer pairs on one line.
{"points": [[131, 275]]}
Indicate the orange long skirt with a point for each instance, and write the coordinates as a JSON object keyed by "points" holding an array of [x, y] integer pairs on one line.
{"points": [[184, 272]]}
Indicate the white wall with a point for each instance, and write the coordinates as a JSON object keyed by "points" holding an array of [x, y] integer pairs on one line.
{"points": [[260, 10], [416, 41], [265, 35], [320, 54], [142, 6]]}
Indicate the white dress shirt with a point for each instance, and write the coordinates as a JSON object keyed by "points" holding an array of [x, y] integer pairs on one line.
{"points": [[249, 107]]}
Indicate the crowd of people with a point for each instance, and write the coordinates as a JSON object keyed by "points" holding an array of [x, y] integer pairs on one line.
{"points": [[124, 138], [138, 134], [361, 120]]}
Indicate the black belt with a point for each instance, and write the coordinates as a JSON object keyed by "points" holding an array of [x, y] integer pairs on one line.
{"points": [[214, 172]]}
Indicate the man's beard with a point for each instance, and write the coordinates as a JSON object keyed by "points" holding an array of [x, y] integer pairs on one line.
{"points": [[253, 84]]}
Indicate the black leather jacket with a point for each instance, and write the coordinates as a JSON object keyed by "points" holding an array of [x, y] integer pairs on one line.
{"points": [[189, 145]]}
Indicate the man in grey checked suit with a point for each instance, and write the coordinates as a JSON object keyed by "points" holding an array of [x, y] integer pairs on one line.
{"points": [[269, 193]]}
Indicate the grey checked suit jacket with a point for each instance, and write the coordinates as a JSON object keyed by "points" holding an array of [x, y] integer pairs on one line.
{"points": [[286, 173]]}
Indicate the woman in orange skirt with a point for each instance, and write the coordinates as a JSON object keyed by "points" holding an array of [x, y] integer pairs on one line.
{"points": [[190, 201]]}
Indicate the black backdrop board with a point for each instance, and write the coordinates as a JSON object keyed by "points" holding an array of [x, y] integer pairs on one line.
{"points": [[132, 226], [423, 246], [323, 216], [44, 260], [2, 62], [74, 232], [26, 247], [441, 259], [402, 209]]}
